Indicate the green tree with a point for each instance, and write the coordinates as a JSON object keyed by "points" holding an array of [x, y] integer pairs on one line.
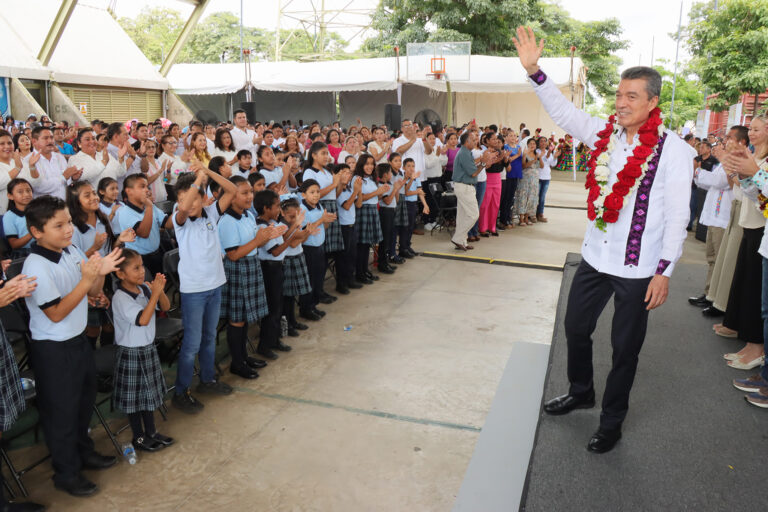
{"points": [[154, 30], [490, 24], [689, 98], [729, 48], [595, 42]]}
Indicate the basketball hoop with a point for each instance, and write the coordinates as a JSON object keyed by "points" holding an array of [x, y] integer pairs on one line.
{"points": [[435, 76]]}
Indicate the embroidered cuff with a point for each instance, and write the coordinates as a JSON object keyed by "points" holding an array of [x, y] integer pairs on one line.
{"points": [[538, 77], [663, 264], [760, 179]]}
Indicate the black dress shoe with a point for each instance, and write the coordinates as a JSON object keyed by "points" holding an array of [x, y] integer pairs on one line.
{"points": [[80, 486], [255, 363], [342, 290], [370, 275], [326, 300], [27, 506], [603, 440], [164, 440], [712, 312], [293, 333], [700, 301], [98, 461], [282, 347], [325, 295], [267, 354], [245, 372], [412, 252], [298, 326], [319, 312], [397, 260], [363, 280], [405, 254], [310, 315], [385, 268], [566, 403], [147, 444], [354, 285]]}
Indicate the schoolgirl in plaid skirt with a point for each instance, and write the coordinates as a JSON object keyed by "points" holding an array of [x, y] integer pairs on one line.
{"points": [[401, 210], [12, 402], [139, 385], [295, 273], [244, 299], [329, 188], [367, 223]]}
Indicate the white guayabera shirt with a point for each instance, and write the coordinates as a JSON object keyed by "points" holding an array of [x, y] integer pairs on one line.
{"points": [[648, 236]]}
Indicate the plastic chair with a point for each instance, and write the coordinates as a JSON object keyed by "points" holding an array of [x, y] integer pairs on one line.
{"points": [[446, 204]]}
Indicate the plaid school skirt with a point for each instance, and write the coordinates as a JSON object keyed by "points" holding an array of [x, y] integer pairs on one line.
{"points": [[334, 242], [139, 381], [368, 225], [12, 402], [244, 298], [401, 212], [295, 276]]}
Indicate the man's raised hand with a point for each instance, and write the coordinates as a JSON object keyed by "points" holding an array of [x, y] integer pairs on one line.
{"points": [[528, 50]]}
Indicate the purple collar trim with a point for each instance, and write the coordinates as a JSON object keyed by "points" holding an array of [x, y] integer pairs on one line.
{"points": [[636, 229]]}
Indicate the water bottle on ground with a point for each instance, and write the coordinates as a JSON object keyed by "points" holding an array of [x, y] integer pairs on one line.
{"points": [[283, 326], [129, 454]]}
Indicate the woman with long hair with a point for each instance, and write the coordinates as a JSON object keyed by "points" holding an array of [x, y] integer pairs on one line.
{"points": [[224, 146], [23, 144], [333, 142], [154, 171], [10, 167], [199, 146], [527, 193]]}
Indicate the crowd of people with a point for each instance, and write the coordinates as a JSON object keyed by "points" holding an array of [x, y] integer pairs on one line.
{"points": [[258, 215], [733, 173]]}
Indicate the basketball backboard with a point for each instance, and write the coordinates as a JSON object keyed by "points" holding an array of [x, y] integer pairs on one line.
{"points": [[426, 61]]}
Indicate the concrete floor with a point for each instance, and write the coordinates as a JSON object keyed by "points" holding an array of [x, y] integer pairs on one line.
{"points": [[384, 416]]}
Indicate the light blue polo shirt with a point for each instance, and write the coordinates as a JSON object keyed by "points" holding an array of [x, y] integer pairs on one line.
{"points": [[200, 265], [415, 185], [346, 217], [15, 225], [58, 273], [130, 216], [264, 253], [398, 177], [393, 204], [369, 186], [311, 216], [84, 236], [237, 229], [106, 209], [127, 308], [324, 179], [273, 176]]}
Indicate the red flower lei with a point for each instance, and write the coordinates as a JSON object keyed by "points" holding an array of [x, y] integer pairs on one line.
{"points": [[626, 178]]}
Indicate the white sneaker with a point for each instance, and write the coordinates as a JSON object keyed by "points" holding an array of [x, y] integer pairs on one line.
{"points": [[429, 226]]}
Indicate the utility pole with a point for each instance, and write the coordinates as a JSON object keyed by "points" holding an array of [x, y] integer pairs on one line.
{"points": [[677, 51], [653, 47], [241, 31]]}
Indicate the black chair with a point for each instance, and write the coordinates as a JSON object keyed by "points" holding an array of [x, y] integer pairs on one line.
{"points": [[104, 358], [16, 323], [15, 268], [446, 206], [171, 271], [165, 206], [17, 474]]}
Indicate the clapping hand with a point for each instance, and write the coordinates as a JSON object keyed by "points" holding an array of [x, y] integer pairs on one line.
{"points": [[300, 218], [127, 236], [4, 265], [158, 285], [15, 288], [34, 157], [17, 159], [740, 161], [110, 262], [98, 241], [328, 217]]}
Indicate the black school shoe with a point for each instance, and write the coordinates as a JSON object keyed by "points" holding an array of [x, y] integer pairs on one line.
{"points": [[310, 315], [363, 280], [215, 387], [282, 347], [164, 440], [26, 506], [354, 285], [147, 444], [98, 461], [342, 290], [397, 260], [186, 403], [298, 326], [370, 275], [267, 354], [255, 363], [79, 487], [405, 254], [319, 312], [386, 268], [245, 372]]}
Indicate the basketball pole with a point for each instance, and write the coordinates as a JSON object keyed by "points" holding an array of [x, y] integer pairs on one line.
{"points": [[450, 100]]}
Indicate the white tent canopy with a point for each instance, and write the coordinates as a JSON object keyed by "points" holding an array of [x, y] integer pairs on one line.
{"points": [[487, 74], [93, 50], [18, 61]]}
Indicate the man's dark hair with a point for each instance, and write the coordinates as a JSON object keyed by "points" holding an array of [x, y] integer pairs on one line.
{"points": [[741, 134], [185, 182], [238, 111], [463, 138], [264, 199], [139, 125], [493, 128], [688, 137], [131, 179], [216, 163], [195, 123], [113, 130], [42, 209], [526, 133], [36, 131], [706, 143], [651, 76], [407, 161]]}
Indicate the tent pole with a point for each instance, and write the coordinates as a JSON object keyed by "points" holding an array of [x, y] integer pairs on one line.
{"points": [[450, 100]]}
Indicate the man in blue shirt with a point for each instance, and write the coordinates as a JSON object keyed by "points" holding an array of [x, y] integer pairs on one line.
{"points": [[465, 173], [61, 146], [514, 173]]}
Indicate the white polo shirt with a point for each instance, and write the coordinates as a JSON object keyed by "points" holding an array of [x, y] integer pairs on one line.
{"points": [[200, 265], [127, 308], [50, 180], [58, 273], [243, 139], [416, 151]]}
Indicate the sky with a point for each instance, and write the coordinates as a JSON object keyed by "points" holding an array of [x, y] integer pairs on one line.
{"points": [[657, 20]]}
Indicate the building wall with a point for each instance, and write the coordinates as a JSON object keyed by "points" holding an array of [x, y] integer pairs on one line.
{"points": [[178, 112], [62, 108], [22, 103]]}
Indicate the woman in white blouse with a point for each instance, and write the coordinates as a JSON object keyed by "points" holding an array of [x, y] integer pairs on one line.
{"points": [[94, 163], [351, 148], [223, 146], [9, 167], [178, 164], [155, 171]]}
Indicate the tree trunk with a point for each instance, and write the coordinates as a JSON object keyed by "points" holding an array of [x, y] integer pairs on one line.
{"points": [[754, 107]]}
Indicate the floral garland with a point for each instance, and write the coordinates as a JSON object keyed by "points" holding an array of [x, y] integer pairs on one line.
{"points": [[762, 201], [603, 202]]}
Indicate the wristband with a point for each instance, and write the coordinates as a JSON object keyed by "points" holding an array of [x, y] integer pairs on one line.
{"points": [[196, 186], [538, 77]]}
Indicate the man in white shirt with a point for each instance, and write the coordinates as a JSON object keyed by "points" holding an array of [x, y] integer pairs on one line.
{"points": [[210, 137], [243, 138], [117, 136], [410, 145], [52, 169], [632, 252], [545, 174]]}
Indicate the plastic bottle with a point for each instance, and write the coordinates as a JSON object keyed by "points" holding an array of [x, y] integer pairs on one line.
{"points": [[129, 454], [283, 326]]}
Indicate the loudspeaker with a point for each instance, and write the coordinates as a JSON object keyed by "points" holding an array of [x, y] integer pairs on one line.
{"points": [[250, 111], [392, 113]]}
